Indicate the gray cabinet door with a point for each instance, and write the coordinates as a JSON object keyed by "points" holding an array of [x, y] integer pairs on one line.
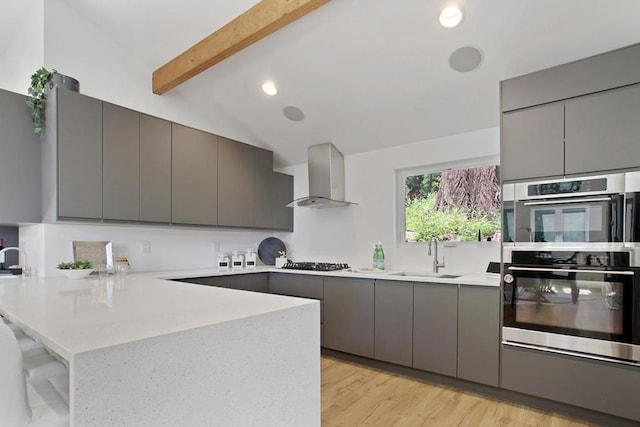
{"points": [[155, 169], [600, 386], [394, 322], [282, 195], [532, 143], [255, 282], [121, 163], [194, 176], [435, 328], [263, 188], [235, 183], [349, 315], [297, 285], [479, 334], [20, 150], [79, 156], [603, 131], [217, 281]]}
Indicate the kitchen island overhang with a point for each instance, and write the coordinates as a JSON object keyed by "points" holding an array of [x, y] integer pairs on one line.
{"points": [[147, 351]]}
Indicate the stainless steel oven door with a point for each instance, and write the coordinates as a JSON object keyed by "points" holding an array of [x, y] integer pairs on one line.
{"points": [[584, 310]]}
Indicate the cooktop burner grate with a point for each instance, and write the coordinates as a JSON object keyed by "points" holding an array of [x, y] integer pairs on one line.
{"points": [[315, 266]]}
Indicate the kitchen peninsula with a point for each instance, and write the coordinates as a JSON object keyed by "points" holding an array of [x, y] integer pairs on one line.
{"points": [[146, 351]]}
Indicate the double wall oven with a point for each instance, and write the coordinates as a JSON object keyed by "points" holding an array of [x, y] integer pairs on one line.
{"points": [[571, 277]]}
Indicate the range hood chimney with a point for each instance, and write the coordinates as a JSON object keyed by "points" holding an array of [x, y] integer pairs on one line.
{"points": [[326, 178]]}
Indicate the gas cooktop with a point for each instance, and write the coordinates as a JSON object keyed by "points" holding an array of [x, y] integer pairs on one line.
{"points": [[315, 266]]}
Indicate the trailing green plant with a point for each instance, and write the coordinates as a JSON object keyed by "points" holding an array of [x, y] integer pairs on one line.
{"points": [[38, 96]]}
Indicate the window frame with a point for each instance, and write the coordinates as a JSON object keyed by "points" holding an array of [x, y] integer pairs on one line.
{"points": [[401, 176]]}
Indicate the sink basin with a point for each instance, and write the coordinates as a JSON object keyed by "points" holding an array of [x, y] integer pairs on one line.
{"points": [[425, 274]]}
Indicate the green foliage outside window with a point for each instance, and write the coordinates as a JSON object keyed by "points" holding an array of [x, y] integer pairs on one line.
{"points": [[453, 205]]}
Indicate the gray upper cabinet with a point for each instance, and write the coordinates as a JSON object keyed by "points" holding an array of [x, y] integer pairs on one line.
{"points": [[282, 195], [194, 176], [479, 334], [394, 322], [349, 315], [20, 164], [121, 163], [602, 131], [532, 143], [155, 169], [435, 327], [235, 183], [620, 67], [263, 188], [79, 143]]}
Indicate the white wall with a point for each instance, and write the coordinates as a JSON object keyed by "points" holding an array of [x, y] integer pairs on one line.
{"points": [[22, 50], [348, 234], [171, 248], [108, 71]]}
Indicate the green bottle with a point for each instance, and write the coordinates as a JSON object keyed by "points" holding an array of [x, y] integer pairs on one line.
{"points": [[378, 256]]}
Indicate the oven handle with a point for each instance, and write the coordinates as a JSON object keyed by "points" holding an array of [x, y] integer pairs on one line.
{"points": [[558, 202], [573, 270]]}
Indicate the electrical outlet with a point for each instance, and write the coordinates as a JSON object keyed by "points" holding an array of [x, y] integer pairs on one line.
{"points": [[146, 247]]}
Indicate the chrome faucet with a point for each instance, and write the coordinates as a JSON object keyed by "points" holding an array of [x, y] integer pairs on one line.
{"points": [[436, 265], [20, 251]]}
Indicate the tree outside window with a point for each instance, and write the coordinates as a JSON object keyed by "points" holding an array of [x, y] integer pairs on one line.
{"points": [[453, 205]]}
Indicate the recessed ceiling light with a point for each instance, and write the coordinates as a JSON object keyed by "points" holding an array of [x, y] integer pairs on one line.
{"points": [[269, 88], [451, 16]]}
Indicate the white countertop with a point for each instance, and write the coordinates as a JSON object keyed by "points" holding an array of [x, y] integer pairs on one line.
{"points": [[480, 279], [75, 316]]}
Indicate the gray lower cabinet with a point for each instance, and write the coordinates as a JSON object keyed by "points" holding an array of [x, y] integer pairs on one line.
{"points": [[435, 327], [79, 165], [394, 322], [349, 315], [532, 143], [155, 169], [235, 183], [121, 163], [255, 282], [263, 188], [602, 131], [300, 285], [600, 386], [20, 167], [282, 195], [479, 334], [296, 285], [194, 176]]}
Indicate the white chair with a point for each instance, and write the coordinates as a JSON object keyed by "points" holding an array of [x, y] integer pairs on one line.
{"points": [[23, 404], [39, 364]]}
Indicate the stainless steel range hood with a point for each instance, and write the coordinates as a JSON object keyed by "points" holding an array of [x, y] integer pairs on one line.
{"points": [[326, 178]]}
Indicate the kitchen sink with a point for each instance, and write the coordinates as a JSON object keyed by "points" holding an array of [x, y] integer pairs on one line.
{"points": [[425, 274]]}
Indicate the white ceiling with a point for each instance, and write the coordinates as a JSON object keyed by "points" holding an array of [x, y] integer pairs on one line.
{"points": [[368, 74]]}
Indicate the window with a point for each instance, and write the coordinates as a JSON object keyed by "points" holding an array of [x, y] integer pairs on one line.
{"points": [[452, 204]]}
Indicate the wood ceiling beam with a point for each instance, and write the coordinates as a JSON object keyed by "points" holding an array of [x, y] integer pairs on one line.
{"points": [[264, 18]]}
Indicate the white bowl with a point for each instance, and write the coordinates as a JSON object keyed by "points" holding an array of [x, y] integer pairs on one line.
{"points": [[76, 274]]}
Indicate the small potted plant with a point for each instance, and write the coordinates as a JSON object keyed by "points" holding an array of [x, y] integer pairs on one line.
{"points": [[42, 81], [76, 269]]}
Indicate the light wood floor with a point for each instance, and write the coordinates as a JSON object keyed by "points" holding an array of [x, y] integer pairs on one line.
{"points": [[354, 395]]}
